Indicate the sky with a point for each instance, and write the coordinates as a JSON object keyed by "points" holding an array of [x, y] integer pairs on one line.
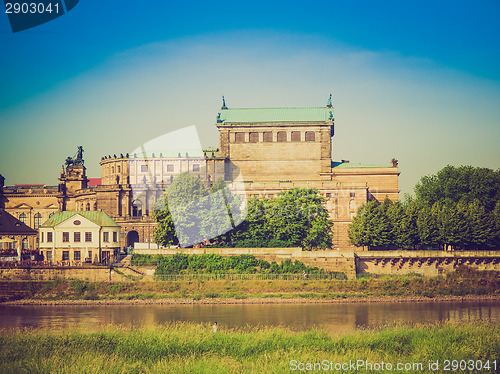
{"points": [[417, 81]]}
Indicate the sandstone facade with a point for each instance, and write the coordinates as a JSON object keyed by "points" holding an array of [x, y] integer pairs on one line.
{"points": [[269, 149]]}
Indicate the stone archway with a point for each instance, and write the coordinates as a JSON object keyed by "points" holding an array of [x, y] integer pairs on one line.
{"points": [[132, 237]]}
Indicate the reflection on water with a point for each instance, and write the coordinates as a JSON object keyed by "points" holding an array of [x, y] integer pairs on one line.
{"points": [[331, 317]]}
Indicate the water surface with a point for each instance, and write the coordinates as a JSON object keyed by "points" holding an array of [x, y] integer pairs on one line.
{"points": [[331, 317]]}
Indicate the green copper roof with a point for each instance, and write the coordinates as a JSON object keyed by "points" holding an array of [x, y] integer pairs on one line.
{"points": [[266, 115], [349, 165], [97, 216]]}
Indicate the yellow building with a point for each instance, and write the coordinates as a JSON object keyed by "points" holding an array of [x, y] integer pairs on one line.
{"points": [[72, 238]]}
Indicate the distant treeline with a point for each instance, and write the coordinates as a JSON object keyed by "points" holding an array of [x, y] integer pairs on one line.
{"points": [[458, 207]]}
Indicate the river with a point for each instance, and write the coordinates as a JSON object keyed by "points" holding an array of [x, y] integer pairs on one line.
{"points": [[338, 318]]}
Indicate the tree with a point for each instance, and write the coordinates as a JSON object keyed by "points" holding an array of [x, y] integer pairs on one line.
{"points": [[409, 228], [428, 229], [371, 226], [464, 182], [190, 213], [296, 217]]}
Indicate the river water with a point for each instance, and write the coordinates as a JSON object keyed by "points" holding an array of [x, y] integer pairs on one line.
{"points": [[339, 318]]}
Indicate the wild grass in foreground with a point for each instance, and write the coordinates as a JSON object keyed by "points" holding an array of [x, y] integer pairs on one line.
{"points": [[194, 348]]}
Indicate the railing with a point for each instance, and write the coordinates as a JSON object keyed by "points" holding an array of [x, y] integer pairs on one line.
{"points": [[265, 276]]}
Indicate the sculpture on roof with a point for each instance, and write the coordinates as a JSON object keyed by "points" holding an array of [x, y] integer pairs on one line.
{"points": [[77, 159], [329, 102], [223, 103]]}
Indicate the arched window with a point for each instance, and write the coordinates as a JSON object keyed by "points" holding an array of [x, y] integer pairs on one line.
{"points": [[136, 208], [88, 206], [295, 136], [23, 218], [38, 221], [281, 136], [254, 137], [25, 243]]}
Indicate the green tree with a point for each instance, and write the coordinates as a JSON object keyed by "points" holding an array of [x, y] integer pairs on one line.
{"points": [[296, 217], [481, 226], [428, 229], [409, 228], [456, 183], [371, 226]]}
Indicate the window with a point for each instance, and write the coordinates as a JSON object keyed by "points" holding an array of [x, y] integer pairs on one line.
{"points": [[105, 236], [118, 169], [25, 243], [12, 245], [310, 137], [268, 136], [170, 168], [77, 255], [239, 137], [254, 137], [76, 237], [144, 168], [49, 237], [112, 169], [88, 237], [328, 195], [38, 221], [23, 218], [65, 237], [65, 256], [136, 208], [196, 167], [281, 136], [42, 236], [49, 256], [115, 236], [88, 206], [90, 255], [352, 194], [295, 136]]}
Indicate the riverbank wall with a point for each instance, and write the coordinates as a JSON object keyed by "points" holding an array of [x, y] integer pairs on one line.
{"points": [[352, 264]]}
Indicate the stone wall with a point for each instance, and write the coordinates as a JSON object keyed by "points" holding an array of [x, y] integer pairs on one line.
{"points": [[47, 274]]}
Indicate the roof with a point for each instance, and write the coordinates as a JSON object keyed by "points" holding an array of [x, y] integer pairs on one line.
{"points": [[96, 216], [349, 165], [10, 225], [278, 115], [94, 182]]}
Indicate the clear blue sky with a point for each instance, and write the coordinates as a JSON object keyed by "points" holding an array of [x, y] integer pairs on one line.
{"points": [[419, 81]]}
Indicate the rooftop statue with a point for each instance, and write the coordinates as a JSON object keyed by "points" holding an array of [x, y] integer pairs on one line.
{"points": [[78, 159]]}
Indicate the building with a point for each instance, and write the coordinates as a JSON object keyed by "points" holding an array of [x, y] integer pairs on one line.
{"points": [[15, 237], [273, 149], [73, 237]]}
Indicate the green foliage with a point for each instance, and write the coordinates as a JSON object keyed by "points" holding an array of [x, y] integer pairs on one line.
{"points": [[296, 218], [456, 183], [458, 207], [216, 264]]}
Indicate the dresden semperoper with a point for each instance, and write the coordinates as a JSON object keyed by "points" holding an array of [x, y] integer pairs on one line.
{"points": [[274, 149]]}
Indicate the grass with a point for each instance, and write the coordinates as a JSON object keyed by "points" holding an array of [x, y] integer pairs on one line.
{"points": [[193, 348], [460, 283]]}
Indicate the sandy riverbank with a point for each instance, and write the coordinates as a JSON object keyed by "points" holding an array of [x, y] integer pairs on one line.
{"points": [[255, 300]]}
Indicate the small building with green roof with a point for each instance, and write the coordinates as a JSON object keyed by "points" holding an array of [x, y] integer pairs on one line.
{"points": [[77, 237]]}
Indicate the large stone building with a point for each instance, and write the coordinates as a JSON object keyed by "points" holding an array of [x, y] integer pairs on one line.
{"points": [[270, 149]]}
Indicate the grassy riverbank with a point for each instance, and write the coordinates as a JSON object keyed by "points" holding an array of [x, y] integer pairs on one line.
{"points": [[463, 282], [193, 348]]}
